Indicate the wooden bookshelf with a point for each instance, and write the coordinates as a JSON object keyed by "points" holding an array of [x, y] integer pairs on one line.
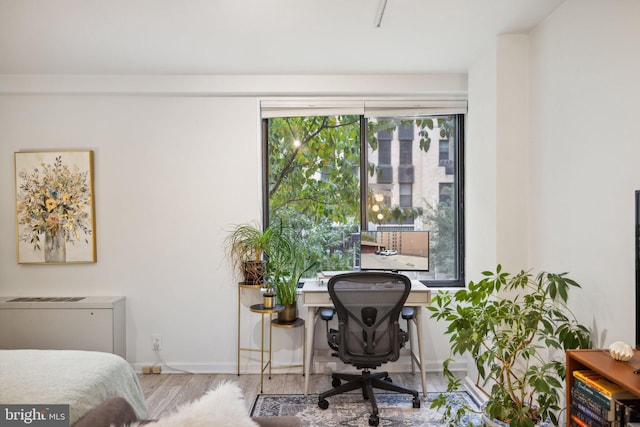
{"points": [[601, 362]]}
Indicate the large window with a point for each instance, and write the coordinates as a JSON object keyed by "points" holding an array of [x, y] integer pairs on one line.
{"points": [[360, 191]]}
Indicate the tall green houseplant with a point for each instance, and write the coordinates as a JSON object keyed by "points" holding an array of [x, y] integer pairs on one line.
{"points": [[287, 263], [509, 324]]}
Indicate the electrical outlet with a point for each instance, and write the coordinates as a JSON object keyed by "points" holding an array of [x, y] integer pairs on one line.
{"points": [[156, 342]]}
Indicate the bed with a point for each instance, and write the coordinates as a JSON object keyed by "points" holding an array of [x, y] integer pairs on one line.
{"points": [[82, 379]]}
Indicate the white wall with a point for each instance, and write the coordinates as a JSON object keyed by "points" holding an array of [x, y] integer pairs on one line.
{"points": [[177, 161], [584, 156], [555, 113], [481, 167], [496, 181], [512, 150], [164, 173]]}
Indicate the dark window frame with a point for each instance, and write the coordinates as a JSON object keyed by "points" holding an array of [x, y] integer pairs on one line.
{"points": [[458, 196]]}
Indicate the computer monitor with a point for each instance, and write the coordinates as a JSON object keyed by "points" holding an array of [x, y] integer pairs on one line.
{"points": [[389, 250]]}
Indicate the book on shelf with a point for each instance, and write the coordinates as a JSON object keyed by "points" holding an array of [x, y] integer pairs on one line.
{"points": [[587, 405], [597, 401], [599, 398], [589, 417], [599, 382], [604, 393], [577, 421]]}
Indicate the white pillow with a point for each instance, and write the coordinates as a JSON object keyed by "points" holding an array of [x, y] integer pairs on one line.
{"points": [[220, 407]]}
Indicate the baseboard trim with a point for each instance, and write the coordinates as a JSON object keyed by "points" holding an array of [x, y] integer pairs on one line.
{"points": [[323, 363]]}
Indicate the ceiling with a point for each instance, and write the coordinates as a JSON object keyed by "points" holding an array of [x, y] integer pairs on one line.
{"points": [[255, 36]]}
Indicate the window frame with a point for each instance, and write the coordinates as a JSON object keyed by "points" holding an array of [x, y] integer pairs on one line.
{"points": [[459, 170], [458, 196]]}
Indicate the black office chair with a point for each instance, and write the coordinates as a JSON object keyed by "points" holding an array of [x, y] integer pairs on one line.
{"points": [[368, 305]]}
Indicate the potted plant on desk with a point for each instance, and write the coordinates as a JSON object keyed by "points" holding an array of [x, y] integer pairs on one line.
{"points": [[506, 323]]}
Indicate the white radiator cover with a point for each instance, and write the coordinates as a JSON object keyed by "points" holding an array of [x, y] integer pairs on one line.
{"points": [[74, 323]]}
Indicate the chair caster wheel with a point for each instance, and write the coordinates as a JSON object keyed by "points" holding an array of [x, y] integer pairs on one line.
{"points": [[374, 420], [323, 404], [416, 402], [336, 382]]}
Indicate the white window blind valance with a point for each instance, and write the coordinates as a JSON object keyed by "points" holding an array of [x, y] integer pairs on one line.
{"points": [[435, 107], [369, 107], [309, 107]]}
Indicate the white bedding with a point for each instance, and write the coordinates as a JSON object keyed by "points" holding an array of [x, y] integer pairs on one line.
{"points": [[82, 379]]}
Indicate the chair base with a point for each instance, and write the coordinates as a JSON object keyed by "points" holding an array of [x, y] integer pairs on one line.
{"points": [[367, 382]]}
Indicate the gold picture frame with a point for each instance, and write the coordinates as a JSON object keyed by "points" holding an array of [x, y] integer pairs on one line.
{"points": [[55, 210]]}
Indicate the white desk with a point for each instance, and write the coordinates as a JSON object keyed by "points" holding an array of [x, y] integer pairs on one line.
{"points": [[315, 295]]}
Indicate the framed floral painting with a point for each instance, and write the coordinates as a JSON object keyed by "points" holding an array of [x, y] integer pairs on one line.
{"points": [[55, 207]]}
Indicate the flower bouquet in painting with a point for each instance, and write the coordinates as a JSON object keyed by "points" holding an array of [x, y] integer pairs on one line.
{"points": [[54, 205]]}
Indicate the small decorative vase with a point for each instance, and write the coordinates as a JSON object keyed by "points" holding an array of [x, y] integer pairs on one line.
{"points": [[289, 314], [268, 300], [55, 249]]}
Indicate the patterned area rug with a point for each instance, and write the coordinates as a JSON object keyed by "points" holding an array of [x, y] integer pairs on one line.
{"points": [[350, 410]]}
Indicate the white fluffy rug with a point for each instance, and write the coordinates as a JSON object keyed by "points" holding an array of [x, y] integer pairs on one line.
{"points": [[223, 406]]}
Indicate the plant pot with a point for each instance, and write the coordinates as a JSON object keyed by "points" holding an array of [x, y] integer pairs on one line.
{"points": [[289, 314], [491, 422], [268, 300], [253, 272]]}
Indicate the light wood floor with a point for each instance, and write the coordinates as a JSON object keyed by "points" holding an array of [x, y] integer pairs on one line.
{"points": [[164, 392]]}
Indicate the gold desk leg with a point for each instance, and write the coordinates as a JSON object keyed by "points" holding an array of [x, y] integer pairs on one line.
{"points": [[270, 343], [262, 355]]}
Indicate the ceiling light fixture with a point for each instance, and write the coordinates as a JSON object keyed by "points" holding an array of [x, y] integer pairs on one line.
{"points": [[381, 9]]}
